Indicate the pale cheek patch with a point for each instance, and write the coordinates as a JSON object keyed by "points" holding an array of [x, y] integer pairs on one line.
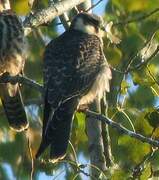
{"points": [[89, 29], [84, 28]]}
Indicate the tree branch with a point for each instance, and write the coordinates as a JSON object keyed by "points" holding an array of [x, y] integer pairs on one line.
{"points": [[122, 129], [48, 14], [90, 114], [6, 78], [144, 62]]}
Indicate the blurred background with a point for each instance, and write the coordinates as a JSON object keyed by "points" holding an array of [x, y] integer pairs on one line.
{"points": [[133, 100]]}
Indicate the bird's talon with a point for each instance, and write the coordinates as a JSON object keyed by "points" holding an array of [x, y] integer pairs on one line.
{"points": [[83, 108]]}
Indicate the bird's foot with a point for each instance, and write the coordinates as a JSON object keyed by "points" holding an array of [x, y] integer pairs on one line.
{"points": [[82, 108]]}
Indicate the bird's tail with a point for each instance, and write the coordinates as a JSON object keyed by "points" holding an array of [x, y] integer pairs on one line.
{"points": [[58, 131], [63, 119], [13, 106]]}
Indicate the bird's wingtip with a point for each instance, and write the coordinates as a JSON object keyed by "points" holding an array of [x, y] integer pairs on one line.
{"points": [[55, 159], [20, 128]]}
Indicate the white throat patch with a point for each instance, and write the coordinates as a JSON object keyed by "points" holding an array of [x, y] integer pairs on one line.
{"points": [[89, 29]]}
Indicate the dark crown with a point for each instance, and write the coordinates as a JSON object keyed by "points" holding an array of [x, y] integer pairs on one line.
{"points": [[88, 19]]}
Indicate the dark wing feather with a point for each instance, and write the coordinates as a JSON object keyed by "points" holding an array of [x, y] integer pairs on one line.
{"points": [[71, 63]]}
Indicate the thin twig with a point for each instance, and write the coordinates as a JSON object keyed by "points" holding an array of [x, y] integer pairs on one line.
{"points": [[139, 168], [79, 167], [128, 118], [152, 76], [138, 53], [59, 174], [74, 152], [138, 66], [140, 18], [32, 159], [97, 168], [142, 63], [94, 5]]}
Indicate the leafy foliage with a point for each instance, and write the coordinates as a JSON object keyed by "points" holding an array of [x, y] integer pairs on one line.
{"points": [[135, 93]]}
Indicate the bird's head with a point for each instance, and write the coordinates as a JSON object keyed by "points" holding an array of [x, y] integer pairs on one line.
{"points": [[88, 23]]}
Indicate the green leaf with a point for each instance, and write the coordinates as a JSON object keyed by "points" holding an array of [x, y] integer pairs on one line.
{"points": [[119, 174], [140, 77], [113, 55], [136, 153], [153, 118], [146, 173], [124, 87], [134, 5]]}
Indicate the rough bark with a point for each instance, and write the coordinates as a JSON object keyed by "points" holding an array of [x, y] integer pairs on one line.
{"points": [[48, 14]]}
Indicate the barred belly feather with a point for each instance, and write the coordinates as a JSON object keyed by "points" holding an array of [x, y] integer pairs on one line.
{"points": [[12, 44], [12, 58]]}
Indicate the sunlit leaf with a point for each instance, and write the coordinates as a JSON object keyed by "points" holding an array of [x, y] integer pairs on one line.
{"points": [[140, 77], [138, 151], [132, 5], [113, 55], [146, 173], [20, 6], [124, 86], [119, 174], [153, 118]]}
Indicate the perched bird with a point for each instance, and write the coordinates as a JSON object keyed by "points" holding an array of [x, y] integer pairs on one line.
{"points": [[75, 73], [12, 59]]}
